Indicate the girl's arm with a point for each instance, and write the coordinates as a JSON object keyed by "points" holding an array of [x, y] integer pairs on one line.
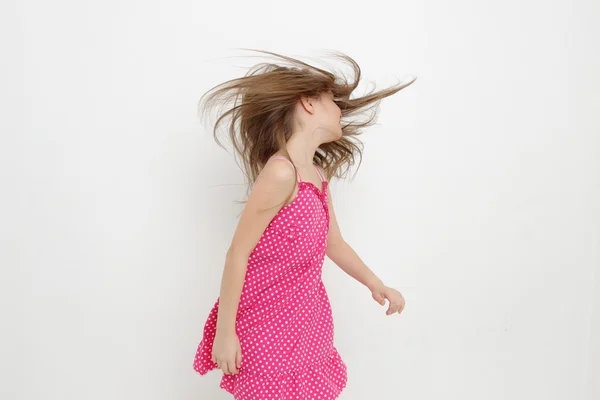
{"points": [[346, 258], [271, 188]]}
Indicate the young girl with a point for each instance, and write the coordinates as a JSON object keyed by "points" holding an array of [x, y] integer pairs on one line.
{"points": [[271, 330]]}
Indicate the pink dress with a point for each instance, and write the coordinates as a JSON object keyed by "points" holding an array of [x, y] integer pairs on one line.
{"points": [[284, 319]]}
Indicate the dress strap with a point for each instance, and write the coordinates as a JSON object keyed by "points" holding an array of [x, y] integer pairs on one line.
{"points": [[319, 173], [292, 164]]}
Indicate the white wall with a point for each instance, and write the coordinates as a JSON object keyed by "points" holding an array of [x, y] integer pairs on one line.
{"points": [[477, 198], [593, 371]]}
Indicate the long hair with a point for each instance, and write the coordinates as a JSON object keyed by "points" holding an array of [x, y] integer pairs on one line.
{"points": [[261, 109]]}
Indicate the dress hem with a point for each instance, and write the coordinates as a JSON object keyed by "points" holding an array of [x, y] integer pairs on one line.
{"points": [[286, 382]]}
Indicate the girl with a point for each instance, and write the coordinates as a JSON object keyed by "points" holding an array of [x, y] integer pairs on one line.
{"points": [[271, 329]]}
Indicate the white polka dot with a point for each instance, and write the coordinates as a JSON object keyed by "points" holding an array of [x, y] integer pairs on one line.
{"points": [[284, 320]]}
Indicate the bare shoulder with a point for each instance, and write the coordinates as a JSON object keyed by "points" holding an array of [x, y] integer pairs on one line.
{"points": [[274, 182], [278, 172]]}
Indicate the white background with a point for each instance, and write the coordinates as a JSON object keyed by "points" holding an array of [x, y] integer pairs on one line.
{"points": [[477, 197]]}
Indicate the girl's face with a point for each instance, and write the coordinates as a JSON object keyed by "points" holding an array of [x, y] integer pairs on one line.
{"points": [[329, 115], [320, 117]]}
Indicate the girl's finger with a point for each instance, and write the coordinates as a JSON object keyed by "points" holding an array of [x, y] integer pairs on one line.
{"points": [[393, 308], [232, 369], [225, 368], [238, 359]]}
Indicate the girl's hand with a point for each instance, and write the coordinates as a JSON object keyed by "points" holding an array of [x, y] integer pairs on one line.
{"points": [[227, 352], [396, 300]]}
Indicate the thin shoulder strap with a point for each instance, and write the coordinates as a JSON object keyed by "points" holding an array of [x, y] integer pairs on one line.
{"points": [[319, 173], [292, 164]]}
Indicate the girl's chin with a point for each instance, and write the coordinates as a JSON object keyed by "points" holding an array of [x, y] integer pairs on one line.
{"points": [[335, 138], [335, 135]]}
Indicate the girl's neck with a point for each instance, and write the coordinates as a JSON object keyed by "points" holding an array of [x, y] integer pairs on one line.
{"points": [[301, 150]]}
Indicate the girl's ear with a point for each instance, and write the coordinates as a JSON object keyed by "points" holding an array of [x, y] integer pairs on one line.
{"points": [[307, 103]]}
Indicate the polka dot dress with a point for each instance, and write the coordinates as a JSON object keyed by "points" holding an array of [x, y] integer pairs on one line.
{"points": [[284, 319]]}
